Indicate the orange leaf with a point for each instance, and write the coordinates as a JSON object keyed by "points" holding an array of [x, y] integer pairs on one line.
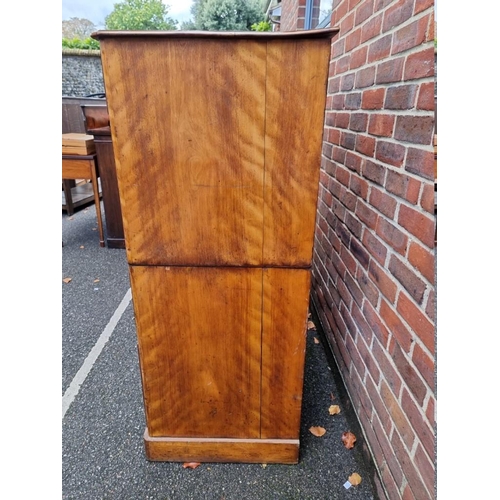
{"points": [[67, 280], [348, 438], [355, 479], [334, 409], [191, 465], [317, 431]]}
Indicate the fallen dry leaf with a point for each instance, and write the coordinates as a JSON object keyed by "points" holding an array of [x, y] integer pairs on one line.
{"points": [[67, 280], [96, 280], [348, 438], [355, 479], [191, 465], [317, 431], [311, 325], [334, 409], [332, 397], [81, 246], [316, 341]]}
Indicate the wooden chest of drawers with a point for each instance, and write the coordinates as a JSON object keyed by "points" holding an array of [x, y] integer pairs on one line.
{"points": [[217, 140]]}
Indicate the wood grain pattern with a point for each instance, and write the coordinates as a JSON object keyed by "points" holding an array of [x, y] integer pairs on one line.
{"points": [[77, 167], [199, 334], [217, 140], [285, 451], [190, 151], [201, 202], [286, 302], [96, 116], [297, 75]]}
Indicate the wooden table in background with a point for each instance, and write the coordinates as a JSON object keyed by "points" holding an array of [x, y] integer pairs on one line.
{"points": [[84, 167]]}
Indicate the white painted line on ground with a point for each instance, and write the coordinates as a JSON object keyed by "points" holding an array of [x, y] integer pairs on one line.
{"points": [[83, 372]]}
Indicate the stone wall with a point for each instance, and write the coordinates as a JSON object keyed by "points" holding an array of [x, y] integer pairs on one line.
{"points": [[81, 72]]}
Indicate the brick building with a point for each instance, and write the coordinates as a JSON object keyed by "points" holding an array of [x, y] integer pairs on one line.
{"points": [[374, 259]]}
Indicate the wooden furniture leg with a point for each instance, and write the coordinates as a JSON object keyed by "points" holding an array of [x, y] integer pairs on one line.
{"points": [[70, 210], [95, 187]]}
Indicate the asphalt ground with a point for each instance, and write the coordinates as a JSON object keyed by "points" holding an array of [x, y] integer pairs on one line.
{"points": [[103, 419]]}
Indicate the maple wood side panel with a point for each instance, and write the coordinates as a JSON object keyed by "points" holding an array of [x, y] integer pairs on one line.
{"points": [[222, 450], [284, 326], [190, 149], [297, 74], [199, 334]]}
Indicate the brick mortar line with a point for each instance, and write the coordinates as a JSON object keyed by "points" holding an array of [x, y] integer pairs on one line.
{"points": [[392, 140], [382, 111], [399, 288], [399, 200], [382, 34]]}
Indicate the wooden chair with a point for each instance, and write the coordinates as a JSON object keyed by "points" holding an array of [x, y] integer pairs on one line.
{"points": [[83, 167]]}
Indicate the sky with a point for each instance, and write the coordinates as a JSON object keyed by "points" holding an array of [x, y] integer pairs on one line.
{"points": [[97, 10]]}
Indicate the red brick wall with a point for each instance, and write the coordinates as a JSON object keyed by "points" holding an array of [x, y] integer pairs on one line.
{"points": [[292, 15], [374, 257]]}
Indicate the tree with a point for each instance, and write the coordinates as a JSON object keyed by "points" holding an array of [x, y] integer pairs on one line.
{"points": [[77, 28], [226, 15], [188, 25], [140, 15], [195, 12], [196, 7], [262, 26]]}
